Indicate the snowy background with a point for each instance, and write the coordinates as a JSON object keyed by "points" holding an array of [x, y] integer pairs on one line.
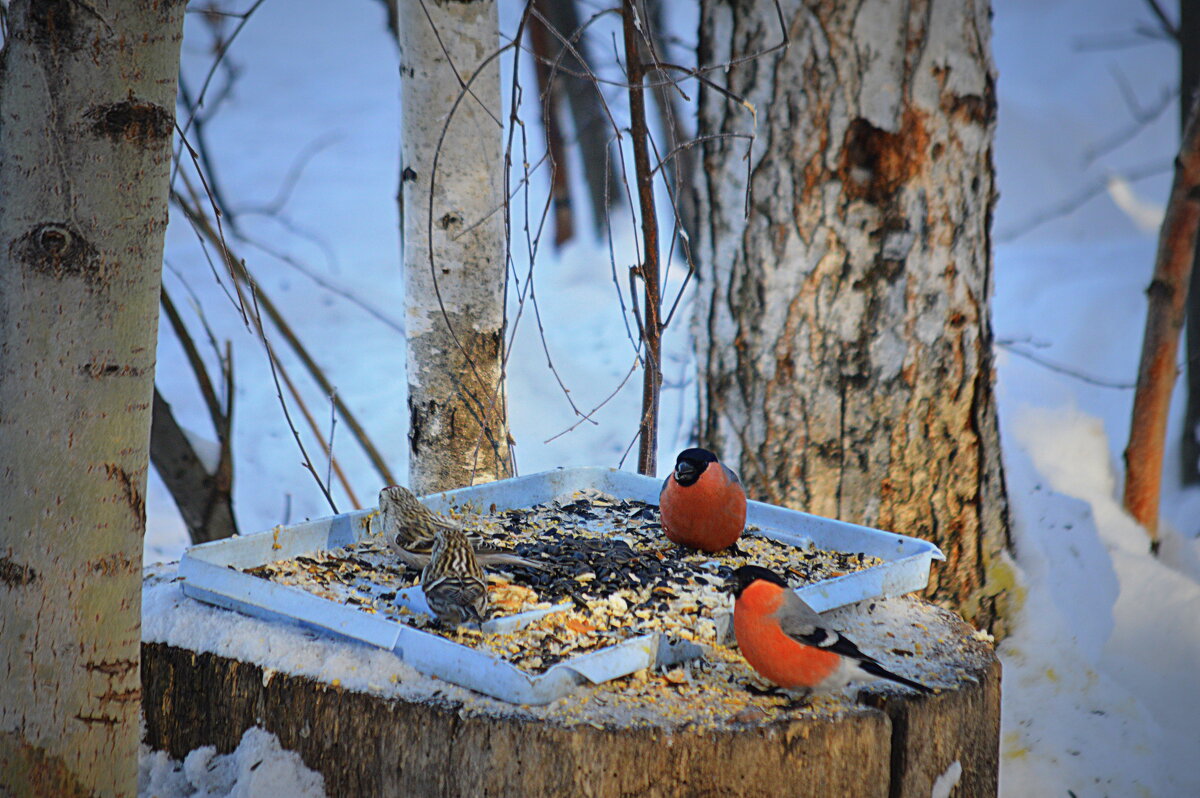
{"points": [[1100, 692]]}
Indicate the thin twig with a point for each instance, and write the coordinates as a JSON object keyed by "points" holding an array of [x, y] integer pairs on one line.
{"points": [[218, 240], [588, 415], [238, 270], [698, 73], [329, 285], [1168, 27], [332, 429], [271, 361], [1010, 346], [1077, 200], [198, 309], [221, 51], [199, 370]]}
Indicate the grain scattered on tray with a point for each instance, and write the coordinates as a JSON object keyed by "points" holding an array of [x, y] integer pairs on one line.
{"points": [[609, 569]]}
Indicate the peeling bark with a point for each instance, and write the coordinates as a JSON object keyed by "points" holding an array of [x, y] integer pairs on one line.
{"points": [[454, 244], [87, 93], [843, 329]]}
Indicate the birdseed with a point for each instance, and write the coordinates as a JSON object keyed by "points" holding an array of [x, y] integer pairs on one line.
{"points": [[607, 559]]}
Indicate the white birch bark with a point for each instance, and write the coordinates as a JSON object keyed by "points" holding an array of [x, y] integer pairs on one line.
{"points": [[843, 329], [454, 246], [87, 93]]}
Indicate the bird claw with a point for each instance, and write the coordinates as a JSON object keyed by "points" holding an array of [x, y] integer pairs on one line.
{"points": [[764, 691], [798, 701]]}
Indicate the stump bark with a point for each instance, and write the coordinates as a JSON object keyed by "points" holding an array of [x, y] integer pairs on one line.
{"points": [[887, 745]]}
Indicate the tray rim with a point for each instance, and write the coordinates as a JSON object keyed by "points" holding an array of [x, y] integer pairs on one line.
{"points": [[210, 575]]}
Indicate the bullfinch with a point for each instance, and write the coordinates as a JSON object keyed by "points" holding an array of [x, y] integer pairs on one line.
{"points": [[787, 642], [702, 501], [453, 582], [410, 529]]}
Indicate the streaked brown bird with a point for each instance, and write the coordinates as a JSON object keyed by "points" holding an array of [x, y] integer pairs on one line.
{"points": [[453, 583], [410, 529]]}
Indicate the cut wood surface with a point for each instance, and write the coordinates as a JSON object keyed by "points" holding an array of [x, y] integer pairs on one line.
{"points": [[888, 742]]}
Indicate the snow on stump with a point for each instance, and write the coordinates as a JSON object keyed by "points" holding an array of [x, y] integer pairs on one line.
{"points": [[371, 725]]}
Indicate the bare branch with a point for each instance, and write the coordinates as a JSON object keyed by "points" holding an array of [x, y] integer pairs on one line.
{"points": [[273, 363], [204, 500], [222, 49], [649, 267], [1157, 368], [238, 269], [1077, 200], [1142, 117], [215, 412], [1168, 27], [1010, 346]]}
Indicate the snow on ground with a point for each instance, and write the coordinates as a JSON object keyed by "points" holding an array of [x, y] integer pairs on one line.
{"points": [[1100, 694], [258, 767], [1099, 685]]}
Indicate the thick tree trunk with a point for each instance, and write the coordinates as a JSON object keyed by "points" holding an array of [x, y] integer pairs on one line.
{"points": [[87, 95], [843, 329], [454, 244]]}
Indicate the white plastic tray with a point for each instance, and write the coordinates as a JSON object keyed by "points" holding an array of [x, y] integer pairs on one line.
{"points": [[212, 572]]}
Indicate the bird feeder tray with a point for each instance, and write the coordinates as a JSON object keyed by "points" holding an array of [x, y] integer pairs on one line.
{"points": [[215, 573]]}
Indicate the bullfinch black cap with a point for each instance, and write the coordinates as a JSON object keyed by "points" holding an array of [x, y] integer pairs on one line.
{"points": [[744, 576]]}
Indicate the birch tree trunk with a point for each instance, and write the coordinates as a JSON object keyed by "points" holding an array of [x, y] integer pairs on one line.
{"points": [[454, 243], [843, 329], [87, 93]]}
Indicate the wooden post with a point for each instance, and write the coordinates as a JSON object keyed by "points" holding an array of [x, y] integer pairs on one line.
{"points": [[893, 745]]}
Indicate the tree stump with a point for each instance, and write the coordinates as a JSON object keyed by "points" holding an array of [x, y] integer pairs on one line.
{"points": [[886, 743]]}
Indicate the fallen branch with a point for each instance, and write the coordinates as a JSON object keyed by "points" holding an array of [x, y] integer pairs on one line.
{"points": [[204, 498]]}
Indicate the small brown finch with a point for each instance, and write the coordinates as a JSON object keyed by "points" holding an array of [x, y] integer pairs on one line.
{"points": [[453, 582], [410, 529]]}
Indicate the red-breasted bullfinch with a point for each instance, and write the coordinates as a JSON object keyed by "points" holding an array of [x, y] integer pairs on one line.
{"points": [[453, 582], [410, 528], [703, 503], [787, 642]]}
